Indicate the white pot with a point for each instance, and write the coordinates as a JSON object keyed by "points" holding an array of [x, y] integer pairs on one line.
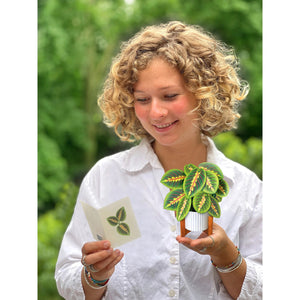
{"points": [[196, 222]]}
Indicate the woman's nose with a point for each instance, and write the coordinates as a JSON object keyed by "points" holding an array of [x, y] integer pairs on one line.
{"points": [[158, 110]]}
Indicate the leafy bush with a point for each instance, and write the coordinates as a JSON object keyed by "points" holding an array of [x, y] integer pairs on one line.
{"points": [[248, 153], [51, 228]]}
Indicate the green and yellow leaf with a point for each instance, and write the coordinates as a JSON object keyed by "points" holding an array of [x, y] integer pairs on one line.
{"points": [[183, 208], [194, 182], [201, 203], [173, 178], [123, 229], [188, 168], [223, 189], [211, 183], [217, 197], [113, 221], [212, 167], [121, 214], [214, 210], [173, 198]]}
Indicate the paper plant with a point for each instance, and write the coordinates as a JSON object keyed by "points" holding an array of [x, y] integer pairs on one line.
{"points": [[122, 228], [197, 189]]}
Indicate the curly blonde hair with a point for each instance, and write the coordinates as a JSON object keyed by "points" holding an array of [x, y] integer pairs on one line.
{"points": [[208, 66]]}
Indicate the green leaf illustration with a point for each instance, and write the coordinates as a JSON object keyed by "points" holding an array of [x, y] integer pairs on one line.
{"points": [[212, 167], [217, 197], [211, 183], [123, 229], [214, 210], [173, 178], [113, 221], [188, 168], [173, 198], [201, 203], [223, 189], [194, 182], [121, 214], [183, 208]]}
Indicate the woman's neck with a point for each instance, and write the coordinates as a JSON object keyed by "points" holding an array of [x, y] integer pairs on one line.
{"points": [[176, 157]]}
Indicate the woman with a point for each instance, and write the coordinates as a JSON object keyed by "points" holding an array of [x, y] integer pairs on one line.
{"points": [[173, 86]]}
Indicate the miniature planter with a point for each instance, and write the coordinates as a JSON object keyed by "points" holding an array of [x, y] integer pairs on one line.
{"points": [[196, 189], [196, 222]]}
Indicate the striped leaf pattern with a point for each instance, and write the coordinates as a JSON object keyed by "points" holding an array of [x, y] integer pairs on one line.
{"points": [[183, 208], [173, 178], [194, 182], [201, 203], [173, 198], [123, 229], [214, 210], [211, 183], [223, 189], [212, 167]]}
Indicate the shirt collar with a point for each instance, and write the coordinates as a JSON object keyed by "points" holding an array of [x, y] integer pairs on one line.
{"points": [[138, 157]]}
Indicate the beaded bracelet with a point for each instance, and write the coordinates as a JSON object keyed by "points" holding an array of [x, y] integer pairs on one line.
{"points": [[93, 283], [233, 266]]}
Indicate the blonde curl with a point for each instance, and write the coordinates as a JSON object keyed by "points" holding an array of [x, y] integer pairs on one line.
{"points": [[208, 66]]}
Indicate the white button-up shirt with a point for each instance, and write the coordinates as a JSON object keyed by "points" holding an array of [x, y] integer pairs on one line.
{"points": [[155, 266]]}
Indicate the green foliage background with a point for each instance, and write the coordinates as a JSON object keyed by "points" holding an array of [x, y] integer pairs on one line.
{"points": [[76, 42]]}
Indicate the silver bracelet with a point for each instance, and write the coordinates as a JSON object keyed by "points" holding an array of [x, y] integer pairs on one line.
{"points": [[233, 267]]}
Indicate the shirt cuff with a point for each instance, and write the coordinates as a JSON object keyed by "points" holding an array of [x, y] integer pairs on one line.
{"points": [[252, 286]]}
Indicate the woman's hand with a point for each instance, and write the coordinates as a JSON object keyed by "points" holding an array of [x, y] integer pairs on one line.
{"points": [[218, 246], [100, 259]]}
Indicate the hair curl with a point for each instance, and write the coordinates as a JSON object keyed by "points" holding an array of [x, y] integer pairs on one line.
{"points": [[208, 66]]}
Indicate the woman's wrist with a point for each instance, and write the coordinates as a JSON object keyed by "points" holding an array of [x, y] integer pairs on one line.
{"points": [[92, 282], [225, 255]]}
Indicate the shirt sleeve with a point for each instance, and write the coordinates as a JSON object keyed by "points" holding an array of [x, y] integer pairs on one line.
{"points": [[251, 243], [68, 267]]}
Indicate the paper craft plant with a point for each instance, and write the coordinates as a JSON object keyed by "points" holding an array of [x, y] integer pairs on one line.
{"points": [[197, 189], [122, 228]]}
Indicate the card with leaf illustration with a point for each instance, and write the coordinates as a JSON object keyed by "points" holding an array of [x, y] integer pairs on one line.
{"points": [[115, 222]]}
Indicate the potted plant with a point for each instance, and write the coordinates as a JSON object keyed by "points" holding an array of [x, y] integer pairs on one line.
{"points": [[195, 194]]}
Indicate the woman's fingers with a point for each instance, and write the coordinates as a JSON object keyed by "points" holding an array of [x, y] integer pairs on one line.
{"points": [[100, 258], [104, 264]]}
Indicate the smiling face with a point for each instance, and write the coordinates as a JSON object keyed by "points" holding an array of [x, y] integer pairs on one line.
{"points": [[163, 105]]}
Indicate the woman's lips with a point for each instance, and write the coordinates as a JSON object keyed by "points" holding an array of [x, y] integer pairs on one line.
{"points": [[163, 127]]}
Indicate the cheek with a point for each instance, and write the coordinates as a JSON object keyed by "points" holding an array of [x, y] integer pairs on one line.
{"points": [[140, 112]]}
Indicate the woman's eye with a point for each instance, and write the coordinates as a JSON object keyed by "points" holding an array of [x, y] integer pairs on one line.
{"points": [[171, 96], [142, 100]]}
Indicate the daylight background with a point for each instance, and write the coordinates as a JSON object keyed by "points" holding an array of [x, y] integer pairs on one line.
{"points": [[76, 42]]}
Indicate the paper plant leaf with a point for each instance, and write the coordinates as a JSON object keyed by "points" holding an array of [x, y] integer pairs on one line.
{"points": [[173, 198], [194, 182], [217, 197], [212, 167], [223, 189], [123, 229], [113, 221], [201, 203], [188, 168], [214, 210], [121, 214], [173, 178], [183, 208], [211, 183]]}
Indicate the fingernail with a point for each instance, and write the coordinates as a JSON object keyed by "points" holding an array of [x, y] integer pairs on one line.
{"points": [[106, 245]]}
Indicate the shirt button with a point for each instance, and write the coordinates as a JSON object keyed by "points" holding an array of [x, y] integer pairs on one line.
{"points": [[173, 260], [172, 293], [173, 228]]}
